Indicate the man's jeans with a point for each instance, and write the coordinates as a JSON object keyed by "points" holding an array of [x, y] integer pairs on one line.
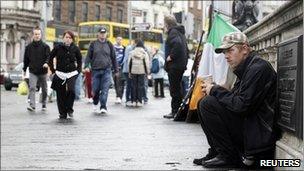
{"points": [[78, 86], [101, 85], [33, 79]]}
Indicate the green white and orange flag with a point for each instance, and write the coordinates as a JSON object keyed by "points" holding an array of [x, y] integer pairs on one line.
{"points": [[212, 63]]}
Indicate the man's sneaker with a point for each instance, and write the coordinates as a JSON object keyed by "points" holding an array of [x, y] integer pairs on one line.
{"points": [[139, 104], [95, 108], [103, 111], [70, 114], [128, 103], [118, 100], [169, 116], [30, 108], [43, 108]]}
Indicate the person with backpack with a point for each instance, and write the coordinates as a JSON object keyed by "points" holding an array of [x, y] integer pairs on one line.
{"points": [[101, 59], [138, 63], [158, 72], [36, 57]]}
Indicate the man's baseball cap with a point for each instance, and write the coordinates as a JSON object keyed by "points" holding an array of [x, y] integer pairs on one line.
{"points": [[102, 29], [231, 39]]}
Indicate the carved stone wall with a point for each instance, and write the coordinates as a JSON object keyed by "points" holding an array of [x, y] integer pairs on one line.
{"points": [[283, 24]]}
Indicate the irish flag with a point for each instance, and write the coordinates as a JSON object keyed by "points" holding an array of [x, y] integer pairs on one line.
{"points": [[212, 63]]}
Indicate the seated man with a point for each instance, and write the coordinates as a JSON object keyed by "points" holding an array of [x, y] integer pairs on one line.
{"points": [[240, 124]]}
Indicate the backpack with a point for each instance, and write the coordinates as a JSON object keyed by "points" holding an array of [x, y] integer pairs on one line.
{"points": [[155, 66]]}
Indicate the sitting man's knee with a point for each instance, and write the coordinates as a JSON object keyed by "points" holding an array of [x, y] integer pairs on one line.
{"points": [[207, 102]]}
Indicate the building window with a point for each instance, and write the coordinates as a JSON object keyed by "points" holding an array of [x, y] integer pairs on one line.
{"points": [[199, 5], [97, 12], [84, 11], [191, 4], [133, 19], [35, 4], [119, 15], [57, 10], [145, 16], [72, 5], [155, 20], [109, 14]]}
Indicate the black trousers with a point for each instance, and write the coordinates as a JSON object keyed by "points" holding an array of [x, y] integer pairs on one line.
{"points": [[176, 91], [223, 129], [66, 96], [119, 84], [138, 87], [159, 82]]}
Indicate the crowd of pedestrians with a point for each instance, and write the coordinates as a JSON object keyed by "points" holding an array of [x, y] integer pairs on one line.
{"points": [[229, 118]]}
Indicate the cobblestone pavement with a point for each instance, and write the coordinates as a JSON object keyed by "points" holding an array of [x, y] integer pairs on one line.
{"points": [[126, 138]]}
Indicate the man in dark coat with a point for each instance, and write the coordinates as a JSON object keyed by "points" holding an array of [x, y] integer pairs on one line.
{"points": [[176, 53], [36, 57], [240, 124]]}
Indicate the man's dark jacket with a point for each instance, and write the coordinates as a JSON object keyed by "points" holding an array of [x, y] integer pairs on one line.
{"points": [[253, 97], [101, 55], [35, 56], [176, 47], [68, 58]]}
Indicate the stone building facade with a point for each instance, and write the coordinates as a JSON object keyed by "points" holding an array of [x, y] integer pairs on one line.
{"points": [[265, 37], [17, 21], [68, 13]]}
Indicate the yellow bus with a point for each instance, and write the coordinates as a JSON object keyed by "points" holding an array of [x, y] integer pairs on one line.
{"points": [[88, 31]]}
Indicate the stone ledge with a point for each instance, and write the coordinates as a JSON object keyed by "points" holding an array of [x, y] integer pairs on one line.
{"points": [[284, 151]]}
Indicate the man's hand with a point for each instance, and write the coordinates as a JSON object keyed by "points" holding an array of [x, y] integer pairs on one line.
{"points": [[117, 74], [45, 65], [86, 70], [23, 75], [206, 87], [169, 59]]}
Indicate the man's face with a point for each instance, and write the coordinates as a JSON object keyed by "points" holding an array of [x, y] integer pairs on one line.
{"points": [[235, 55], [118, 40], [37, 35], [102, 35]]}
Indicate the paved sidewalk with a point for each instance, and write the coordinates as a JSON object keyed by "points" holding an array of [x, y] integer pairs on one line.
{"points": [[126, 138]]}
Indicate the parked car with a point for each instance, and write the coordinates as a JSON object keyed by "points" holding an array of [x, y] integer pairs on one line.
{"points": [[2, 72], [13, 78]]}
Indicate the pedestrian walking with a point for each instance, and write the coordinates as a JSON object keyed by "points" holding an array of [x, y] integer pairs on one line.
{"points": [[36, 57], [158, 72], [119, 80], [68, 67], [240, 124], [138, 63], [88, 85], [125, 71], [100, 60], [176, 53]]}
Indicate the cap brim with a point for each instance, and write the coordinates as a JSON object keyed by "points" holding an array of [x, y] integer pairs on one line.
{"points": [[223, 47]]}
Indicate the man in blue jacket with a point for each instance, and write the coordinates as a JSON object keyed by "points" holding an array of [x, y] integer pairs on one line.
{"points": [[240, 124]]}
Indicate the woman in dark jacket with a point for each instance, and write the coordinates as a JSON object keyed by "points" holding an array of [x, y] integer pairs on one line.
{"points": [[68, 66]]}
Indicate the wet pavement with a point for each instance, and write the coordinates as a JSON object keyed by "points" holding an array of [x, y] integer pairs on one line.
{"points": [[125, 138]]}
